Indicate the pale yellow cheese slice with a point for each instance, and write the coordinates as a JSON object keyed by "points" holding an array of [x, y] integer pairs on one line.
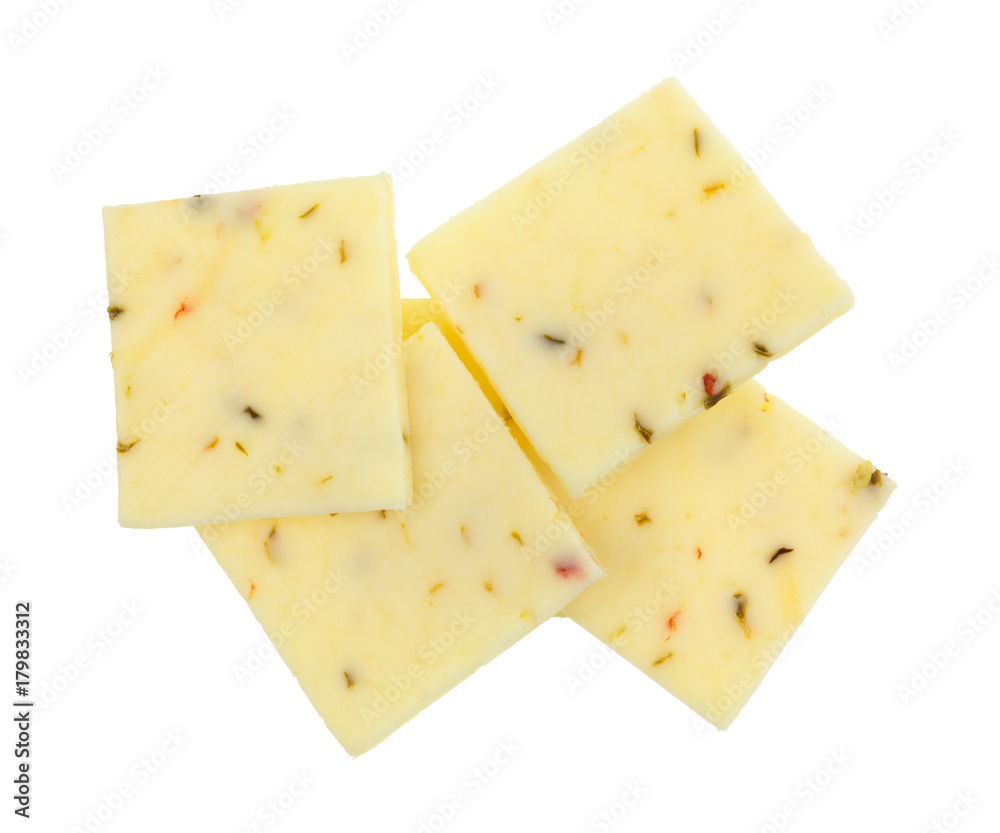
{"points": [[626, 282], [700, 593], [380, 613], [257, 354]]}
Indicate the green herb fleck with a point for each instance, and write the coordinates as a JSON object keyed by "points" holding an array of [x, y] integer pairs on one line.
{"points": [[714, 188], [343, 254], [761, 350], [662, 660], [350, 682], [437, 587], [642, 518], [553, 339], [114, 312], [780, 553], [241, 449], [865, 475], [122, 447], [645, 433], [713, 400], [741, 613], [308, 211], [697, 148], [253, 414], [517, 537]]}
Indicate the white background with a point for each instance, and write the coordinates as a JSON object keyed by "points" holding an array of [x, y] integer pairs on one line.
{"points": [[216, 76]]}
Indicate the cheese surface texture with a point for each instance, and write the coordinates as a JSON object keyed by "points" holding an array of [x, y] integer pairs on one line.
{"points": [[380, 613], [626, 282], [717, 542], [256, 348]]}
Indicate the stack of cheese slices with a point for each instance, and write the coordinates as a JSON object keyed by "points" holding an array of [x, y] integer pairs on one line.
{"points": [[402, 489]]}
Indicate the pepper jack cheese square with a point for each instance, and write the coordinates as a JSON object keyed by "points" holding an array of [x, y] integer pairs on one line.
{"points": [[380, 613], [717, 542], [625, 283], [256, 348]]}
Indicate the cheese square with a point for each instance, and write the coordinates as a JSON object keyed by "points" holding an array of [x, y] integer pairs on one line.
{"points": [[378, 614], [256, 348], [625, 283], [717, 542]]}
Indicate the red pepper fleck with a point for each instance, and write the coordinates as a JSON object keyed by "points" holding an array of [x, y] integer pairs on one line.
{"points": [[710, 381], [699, 553], [672, 622], [183, 308], [567, 568], [252, 588]]}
